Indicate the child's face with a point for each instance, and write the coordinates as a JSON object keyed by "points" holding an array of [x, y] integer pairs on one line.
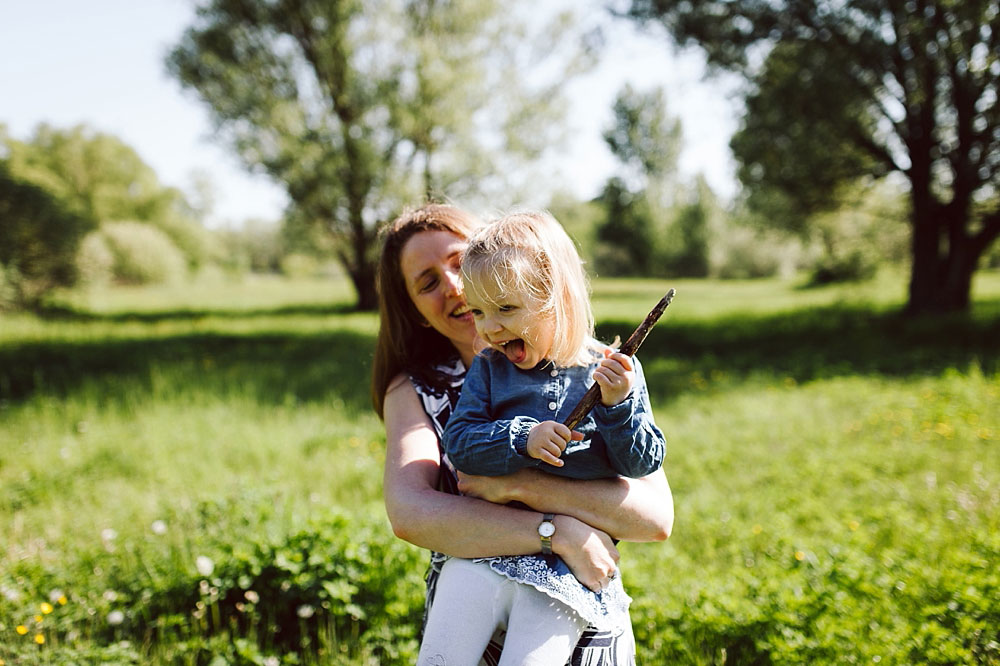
{"points": [[510, 323]]}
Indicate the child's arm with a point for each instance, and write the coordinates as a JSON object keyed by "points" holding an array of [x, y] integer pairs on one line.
{"points": [[477, 444], [635, 445]]}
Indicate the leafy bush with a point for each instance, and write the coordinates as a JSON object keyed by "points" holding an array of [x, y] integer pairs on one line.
{"points": [[298, 265], [143, 254], [741, 253], [38, 241], [853, 266], [94, 260]]}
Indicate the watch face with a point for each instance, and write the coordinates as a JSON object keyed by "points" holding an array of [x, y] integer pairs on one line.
{"points": [[546, 529]]}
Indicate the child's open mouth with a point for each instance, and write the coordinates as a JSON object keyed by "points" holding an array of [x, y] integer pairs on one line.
{"points": [[514, 350]]}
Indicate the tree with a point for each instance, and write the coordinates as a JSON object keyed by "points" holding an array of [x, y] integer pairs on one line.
{"points": [[360, 108], [864, 88], [626, 240], [38, 241], [688, 255], [644, 138], [646, 141], [100, 178]]}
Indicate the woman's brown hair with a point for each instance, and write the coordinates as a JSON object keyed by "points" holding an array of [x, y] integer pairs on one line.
{"points": [[403, 343]]}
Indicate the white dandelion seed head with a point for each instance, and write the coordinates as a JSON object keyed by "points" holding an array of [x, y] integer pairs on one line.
{"points": [[305, 611], [158, 527], [55, 595], [108, 534], [272, 661], [116, 617], [204, 565], [251, 596]]}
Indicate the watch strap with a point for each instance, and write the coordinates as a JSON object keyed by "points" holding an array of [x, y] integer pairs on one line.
{"points": [[547, 540]]}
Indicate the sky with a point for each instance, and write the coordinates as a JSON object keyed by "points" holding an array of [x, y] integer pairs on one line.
{"points": [[101, 63]]}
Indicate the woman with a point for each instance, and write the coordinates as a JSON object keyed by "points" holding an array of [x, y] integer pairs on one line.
{"points": [[426, 340]]}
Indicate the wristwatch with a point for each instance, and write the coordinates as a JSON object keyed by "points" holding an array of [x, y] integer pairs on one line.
{"points": [[545, 530]]}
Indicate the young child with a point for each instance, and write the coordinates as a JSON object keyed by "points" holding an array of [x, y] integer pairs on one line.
{"points": [[525, 285]]}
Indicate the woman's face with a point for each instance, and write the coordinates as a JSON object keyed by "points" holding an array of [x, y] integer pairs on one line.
{"points": [[430, 264]]}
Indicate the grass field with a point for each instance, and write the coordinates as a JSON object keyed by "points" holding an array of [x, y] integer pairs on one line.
{"points": [[193, 476]]}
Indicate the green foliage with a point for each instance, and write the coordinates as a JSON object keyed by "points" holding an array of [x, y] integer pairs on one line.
{"points": [[793, 162], [644, 138], [688, 253], [845, 91], [142, 254], [362, 108], [100, 179], [38, 242], [741, 253], [835, 470], [95, 261], [580, 219], [626, 239]]}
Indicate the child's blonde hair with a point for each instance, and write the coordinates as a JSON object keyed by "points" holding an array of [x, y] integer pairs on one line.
{"points": [[530, 253]]}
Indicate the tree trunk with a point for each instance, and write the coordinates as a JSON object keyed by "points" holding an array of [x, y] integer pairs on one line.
{"points": [[363, 280], [941, 277]]}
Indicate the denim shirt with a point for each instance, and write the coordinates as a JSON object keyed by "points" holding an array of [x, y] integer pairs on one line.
{"points": [[488, 433]]}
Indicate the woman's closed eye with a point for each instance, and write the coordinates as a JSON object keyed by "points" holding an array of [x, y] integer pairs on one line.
{"points": [[428, 285]]}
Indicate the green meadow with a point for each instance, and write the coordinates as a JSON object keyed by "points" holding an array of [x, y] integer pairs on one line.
{"points": [[192, 475]]}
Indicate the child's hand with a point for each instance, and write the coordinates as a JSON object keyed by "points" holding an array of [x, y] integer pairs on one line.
{"points": [[615, 376], [548, 439]]}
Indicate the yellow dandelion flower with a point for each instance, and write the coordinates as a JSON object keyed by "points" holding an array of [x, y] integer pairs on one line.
{"points": [[21, 629], [40, 639], [757, 529], [63, 600], [799, 555], [46, 607], [853, 525], [38, 619], [944, 429]]}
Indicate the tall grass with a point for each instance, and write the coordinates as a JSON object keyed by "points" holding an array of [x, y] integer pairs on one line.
{"points": [[836, 472]]}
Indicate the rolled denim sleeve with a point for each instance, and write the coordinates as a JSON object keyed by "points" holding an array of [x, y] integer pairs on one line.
{"points": [[635, 445], [478, 444]]}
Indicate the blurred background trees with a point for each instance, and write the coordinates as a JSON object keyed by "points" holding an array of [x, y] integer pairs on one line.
{"points": [[843, 92], [82, 205], [359, 109], [870, 138]]}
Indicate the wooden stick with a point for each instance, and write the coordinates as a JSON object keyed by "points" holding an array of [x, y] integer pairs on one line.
{"points": [[593, 394]]}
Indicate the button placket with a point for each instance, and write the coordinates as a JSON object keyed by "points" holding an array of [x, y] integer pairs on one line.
{"points": [[552, 390]]}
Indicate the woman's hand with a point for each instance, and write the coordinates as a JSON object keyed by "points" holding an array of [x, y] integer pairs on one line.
{"points": [[589, 553]]}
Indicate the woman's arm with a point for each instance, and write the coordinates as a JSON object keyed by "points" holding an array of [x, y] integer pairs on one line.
{"points": [[465, 526], [627, 509]]}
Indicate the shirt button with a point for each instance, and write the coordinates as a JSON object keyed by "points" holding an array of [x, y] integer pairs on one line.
{"points": [[554, 373], [552, 405]]}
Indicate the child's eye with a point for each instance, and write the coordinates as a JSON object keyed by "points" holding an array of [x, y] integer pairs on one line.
{"points": [[476, 314], [507, 308]]}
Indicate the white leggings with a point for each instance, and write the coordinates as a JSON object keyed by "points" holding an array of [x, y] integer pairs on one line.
{"points": [[472, 601]]}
